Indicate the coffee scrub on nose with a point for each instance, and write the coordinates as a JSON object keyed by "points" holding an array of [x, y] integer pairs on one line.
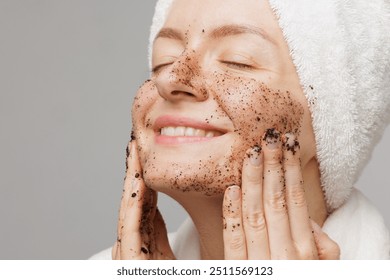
{"points": [[317, 70], [258, 108]]}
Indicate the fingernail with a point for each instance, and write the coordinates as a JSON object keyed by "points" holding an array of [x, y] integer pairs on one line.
{"points": [[272, 138], [234, 192], [255, 156], [291, 143]]}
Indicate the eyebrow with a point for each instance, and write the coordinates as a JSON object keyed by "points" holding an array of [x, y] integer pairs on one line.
{"points": [[219, 32], [236, 29], [169, 33]]}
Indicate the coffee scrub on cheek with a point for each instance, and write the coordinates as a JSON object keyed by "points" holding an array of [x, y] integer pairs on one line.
{"points": [[250, 107]]}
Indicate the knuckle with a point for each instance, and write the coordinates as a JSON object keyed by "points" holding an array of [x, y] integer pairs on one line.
{"points": [[292, 162], [273, 158], [237, 242], [255, 221], [277, 201], [296, 194], [253, 176], [273, 164], [253, 180]]}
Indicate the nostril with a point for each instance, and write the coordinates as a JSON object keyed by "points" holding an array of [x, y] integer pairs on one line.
{"points": [[177, 92]]}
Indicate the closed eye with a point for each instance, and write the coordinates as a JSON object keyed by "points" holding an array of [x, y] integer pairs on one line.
{"points": [[237, 65], [231, 64], [159, 67]]}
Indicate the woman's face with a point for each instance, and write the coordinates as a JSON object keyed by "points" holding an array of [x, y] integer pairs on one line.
{"points": [[222, 76]]}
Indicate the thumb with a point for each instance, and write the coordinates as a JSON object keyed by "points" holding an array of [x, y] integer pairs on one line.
{"points": [[327, 248]]}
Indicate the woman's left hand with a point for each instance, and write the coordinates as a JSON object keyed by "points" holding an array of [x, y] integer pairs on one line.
{"points": [[142, 234], [268, 218]]}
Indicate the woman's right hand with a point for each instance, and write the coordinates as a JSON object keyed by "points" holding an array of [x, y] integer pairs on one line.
{"points": [[141, 229]]}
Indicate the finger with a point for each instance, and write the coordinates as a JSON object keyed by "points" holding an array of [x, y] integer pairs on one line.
{"points": [[326, 247], [130, 239], [133, 170], [148, 214], [131, 245], [124, 200], [301, 229], [163, 249], [233, 233], [252, 206], [275, 208]]}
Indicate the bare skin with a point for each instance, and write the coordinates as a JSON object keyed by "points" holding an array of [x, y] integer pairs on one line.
{"points": [[141, 233], [266, 218], [245, 86]]}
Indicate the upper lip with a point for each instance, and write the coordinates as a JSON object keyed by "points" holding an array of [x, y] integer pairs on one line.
{"points": [[175, 121]]}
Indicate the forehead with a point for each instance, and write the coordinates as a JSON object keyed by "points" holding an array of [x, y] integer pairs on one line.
{"points": [[190, 15]]}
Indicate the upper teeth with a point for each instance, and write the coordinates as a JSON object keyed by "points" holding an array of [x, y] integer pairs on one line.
{"points": [[187, 131]]}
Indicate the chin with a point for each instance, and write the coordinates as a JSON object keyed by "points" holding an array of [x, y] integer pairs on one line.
{"points": [[194, 174]]}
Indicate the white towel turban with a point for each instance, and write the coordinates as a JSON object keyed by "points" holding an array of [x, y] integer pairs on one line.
{"points": [[341, 50]]}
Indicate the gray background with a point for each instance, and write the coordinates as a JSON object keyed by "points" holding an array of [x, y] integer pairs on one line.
{"points": [[68, 74]]}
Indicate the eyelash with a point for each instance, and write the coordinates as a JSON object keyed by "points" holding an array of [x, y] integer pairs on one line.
{"points": [[231, 64], [157, 68], [237, 65]]}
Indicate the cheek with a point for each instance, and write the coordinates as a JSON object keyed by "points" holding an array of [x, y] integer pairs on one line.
{"points": [[254, 107], [249, 104], [143, 101]]}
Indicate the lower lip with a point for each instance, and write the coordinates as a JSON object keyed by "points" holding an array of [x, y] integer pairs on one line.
{"points": [[175, 140]]}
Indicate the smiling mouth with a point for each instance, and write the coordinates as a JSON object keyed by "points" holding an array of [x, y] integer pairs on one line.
{"points": [[172, 130], [183, 131], [171, 135]]}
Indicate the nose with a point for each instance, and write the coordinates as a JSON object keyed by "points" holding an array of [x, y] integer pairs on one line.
{"points": [[182, 81]]}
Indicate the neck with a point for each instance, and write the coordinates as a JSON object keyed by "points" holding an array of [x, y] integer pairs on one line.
{"points": [[314, 194], [206, 212]]}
